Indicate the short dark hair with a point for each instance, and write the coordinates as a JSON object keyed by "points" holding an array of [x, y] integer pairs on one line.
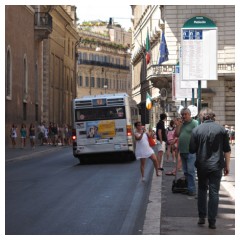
{"points": [[136, 123], [163, 116], [207, 114], [171, 123]]}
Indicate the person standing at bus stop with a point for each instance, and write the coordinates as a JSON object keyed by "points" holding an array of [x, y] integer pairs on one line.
{"points": [[143, 149], [184, 128], [210, 143]]}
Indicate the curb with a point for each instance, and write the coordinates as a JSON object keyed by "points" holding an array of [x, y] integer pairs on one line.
{"points": [[152, 221]]}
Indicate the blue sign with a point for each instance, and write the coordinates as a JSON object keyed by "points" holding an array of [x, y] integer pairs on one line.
{"points": [[192, 34], [177, 69]]}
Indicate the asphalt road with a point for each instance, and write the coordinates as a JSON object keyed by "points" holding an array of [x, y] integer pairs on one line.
{"points": [[52, 193]]}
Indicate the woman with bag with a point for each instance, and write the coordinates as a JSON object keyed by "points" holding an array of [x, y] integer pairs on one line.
{"points": [[143, 150], [152, 139]]}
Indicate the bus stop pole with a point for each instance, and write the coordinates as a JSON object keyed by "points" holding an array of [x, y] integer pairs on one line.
{"points": [[193, 96], [199, 105]]}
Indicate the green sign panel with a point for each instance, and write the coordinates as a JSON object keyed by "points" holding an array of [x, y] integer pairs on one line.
{"points": [[199, 22]]}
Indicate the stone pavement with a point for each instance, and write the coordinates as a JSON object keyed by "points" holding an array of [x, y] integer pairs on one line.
{"points": [[176, 214]]}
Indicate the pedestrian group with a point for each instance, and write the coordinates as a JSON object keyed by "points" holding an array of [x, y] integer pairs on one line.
{"points": [[51, 134], [203, 147]]}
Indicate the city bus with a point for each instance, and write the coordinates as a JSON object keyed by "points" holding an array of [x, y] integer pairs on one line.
{"points": [[102, 124]]}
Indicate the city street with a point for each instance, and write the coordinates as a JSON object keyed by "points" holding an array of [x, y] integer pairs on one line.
{"points": [[51, 193], [83, 79]]}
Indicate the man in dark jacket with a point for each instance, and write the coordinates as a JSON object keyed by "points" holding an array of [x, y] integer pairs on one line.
{"points": [[210, 143]]}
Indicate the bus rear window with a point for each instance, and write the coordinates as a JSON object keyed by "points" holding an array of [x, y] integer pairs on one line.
{"points": [[104, 113]]}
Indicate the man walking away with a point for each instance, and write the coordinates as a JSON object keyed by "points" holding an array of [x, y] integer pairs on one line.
{"points": [[210, 143]]}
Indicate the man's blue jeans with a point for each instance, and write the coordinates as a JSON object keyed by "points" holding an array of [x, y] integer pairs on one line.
{"points": [[188, 166], [211, 180]]}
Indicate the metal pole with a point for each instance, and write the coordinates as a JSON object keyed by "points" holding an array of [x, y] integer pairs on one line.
{"points": [[193, 96], [199, 105], [185, 103]]}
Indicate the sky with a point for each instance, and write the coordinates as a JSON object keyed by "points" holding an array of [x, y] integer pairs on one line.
{"points": [[120, 13]]}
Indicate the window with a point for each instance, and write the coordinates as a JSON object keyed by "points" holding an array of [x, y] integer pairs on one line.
{"points": [[36, 83], [80, 83], [102, 82], [98, 82], [92, 82], [86, 82], [105, 59], [85, 56], [80, 57], [90, 56], [106, 82], [9, 75], [25, 79], [91, 114]]}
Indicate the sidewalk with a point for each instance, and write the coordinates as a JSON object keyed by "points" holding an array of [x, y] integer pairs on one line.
{"points": [[176, 214]]}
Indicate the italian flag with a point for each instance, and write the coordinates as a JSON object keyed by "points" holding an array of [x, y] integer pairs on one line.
{"points": [[148, 102], [148, 55]]}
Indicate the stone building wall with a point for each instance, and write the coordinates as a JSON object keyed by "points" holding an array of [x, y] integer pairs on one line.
{"points": [[19, 47]]}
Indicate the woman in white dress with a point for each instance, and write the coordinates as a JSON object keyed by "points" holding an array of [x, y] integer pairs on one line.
{"points": [[13, 135], [143, 150]]}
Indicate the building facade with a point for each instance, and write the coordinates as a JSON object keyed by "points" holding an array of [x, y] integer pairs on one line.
{"points": [[40, 43], [25, 30], [59, 74], [103, 61], [219, 94]]}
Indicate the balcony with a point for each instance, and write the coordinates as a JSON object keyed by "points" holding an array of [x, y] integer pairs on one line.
{"points": [[43, 25], [159, 75], [103, 64]]}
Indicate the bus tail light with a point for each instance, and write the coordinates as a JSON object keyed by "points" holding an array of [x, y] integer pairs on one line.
{"points": [[74, 134], [129, 130]]}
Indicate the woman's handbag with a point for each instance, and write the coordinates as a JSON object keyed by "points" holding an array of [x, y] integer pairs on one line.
{"points": [[151, 141]]}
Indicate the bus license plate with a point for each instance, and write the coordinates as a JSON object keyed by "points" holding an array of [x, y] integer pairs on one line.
{"points": [[117, 146], [102, 141]]}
